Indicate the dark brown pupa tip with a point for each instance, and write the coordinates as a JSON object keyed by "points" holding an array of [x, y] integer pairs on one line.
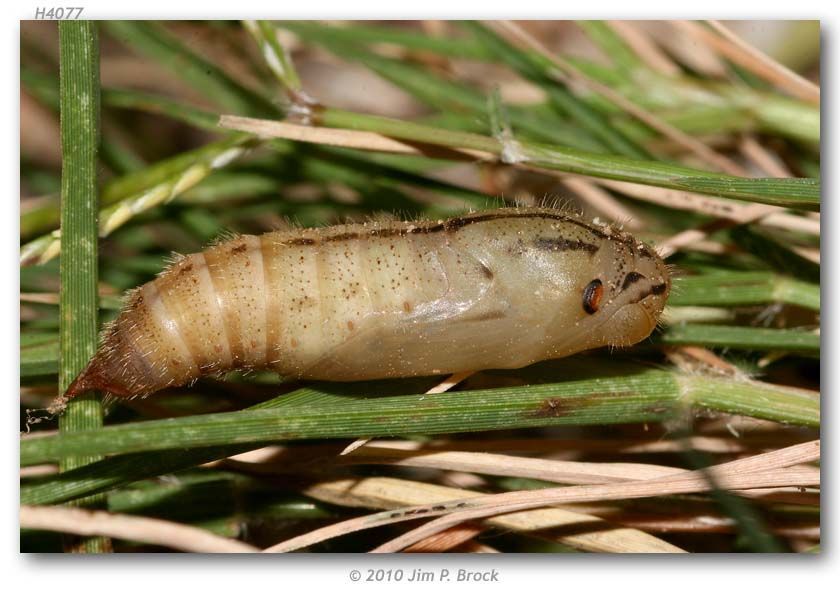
{"points": [[115, 368], [94, 378]]}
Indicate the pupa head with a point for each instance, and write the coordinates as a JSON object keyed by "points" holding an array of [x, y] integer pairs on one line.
{"points": [[626, 297]]}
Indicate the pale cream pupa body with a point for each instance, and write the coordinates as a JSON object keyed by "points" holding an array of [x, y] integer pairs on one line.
{"points": [[496, 289]]}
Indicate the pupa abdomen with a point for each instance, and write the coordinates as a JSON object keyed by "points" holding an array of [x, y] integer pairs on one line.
{"points": [[495, 289]]}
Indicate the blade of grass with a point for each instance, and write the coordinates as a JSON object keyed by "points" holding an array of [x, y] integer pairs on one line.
{"points": [[620, 54], [777, 255], [356, 33], [113, 152], [165, 180], [160, 105], [739, 474], [743, 289], [749, 522], [793, 192], [115, 471], [152, 40], [386, 493], [530, 67], [277, 59], [640, 395], [199, 494], [38, 354], [742, 106], [568, 70], [516, 501], [339, 129], [144, 529], [78, 329], [450, 96], [716, 207], [743, 338], [748, 56], [44, 217], [45, 88]]}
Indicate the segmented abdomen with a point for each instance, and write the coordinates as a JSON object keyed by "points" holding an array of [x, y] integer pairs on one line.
{"points": [[274, 302], [498, 289]]}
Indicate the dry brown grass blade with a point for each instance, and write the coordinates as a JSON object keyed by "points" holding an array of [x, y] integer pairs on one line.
{"points": [[343, 138], [502, 465], [604, 202], [754, 60], [474, 547], [772, 216], [39, 297], [38, 471], [683, 239], [766, 470], [696, 358], [273, 461], [701, 523], [685, 48], [556, 448], [557, 471], [139, 529], [812, 254], [571, 528], [645, 48], [789, 495], [447, 540], [753, 472], [568, 73], [762, 157], [450, 382], [749, 214]]}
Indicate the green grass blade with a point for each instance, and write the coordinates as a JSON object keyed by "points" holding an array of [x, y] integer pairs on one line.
{"points": [[538, 71], [743, 338], [127, 197], [781, 116], [795, 192], [115, 471], [200, 497], [160, 105], [449, 96], [79, 331], [614, 396], [571, 160], [799, 193], [152, 40], [113, 152], [744, 289], [38, 355], [275, 55], [453, 47], [768, 247], [45, 89], [753, 399], [621, 55]]}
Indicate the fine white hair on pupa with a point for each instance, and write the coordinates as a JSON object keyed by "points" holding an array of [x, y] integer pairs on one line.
{"points": [[499, 288]]}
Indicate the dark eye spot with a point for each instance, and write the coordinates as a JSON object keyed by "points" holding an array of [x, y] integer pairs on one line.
{"points": [[592, 296], [632, 277]]}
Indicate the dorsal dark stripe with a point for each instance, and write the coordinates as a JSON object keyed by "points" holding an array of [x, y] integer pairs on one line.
{"points": [[450, 225], [561, 244]]}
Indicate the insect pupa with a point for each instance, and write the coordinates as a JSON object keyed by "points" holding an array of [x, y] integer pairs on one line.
{"points": [[496, 289]]}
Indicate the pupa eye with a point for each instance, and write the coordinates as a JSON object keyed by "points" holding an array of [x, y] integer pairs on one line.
{"points": [[592, 295]]}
